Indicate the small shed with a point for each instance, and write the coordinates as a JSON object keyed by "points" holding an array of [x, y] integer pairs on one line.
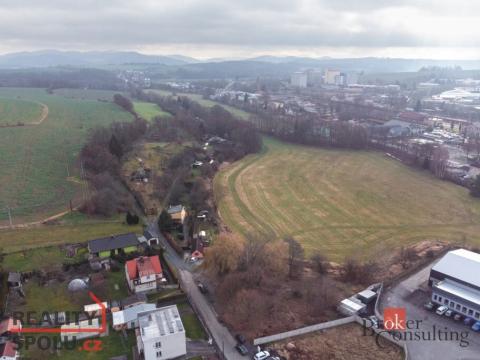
{"points": [[14, 280], [367, 296], [350, 307]]}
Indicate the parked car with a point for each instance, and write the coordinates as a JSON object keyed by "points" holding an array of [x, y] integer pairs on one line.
{"points": [[429, 306], [457, 317], [449, 313], [373, 319], [261, 355], [441, 310], [476, 326], [203, 289], [242, 349], [468, 321], [240, 338]]}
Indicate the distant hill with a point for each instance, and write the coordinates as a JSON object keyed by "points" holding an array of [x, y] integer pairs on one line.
{"points": [[367, 64], [180, 66], [48, 58]]}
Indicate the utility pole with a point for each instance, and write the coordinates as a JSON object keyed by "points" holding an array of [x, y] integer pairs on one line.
{"points": [[10, 216]]}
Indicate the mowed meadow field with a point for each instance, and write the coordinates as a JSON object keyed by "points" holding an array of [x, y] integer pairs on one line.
{"points": [[37, 163], [149, 111], [342, 203], [17, 111]]}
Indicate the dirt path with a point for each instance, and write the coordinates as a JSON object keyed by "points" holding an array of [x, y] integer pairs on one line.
{"points": [[43, 116], [38, 222]]}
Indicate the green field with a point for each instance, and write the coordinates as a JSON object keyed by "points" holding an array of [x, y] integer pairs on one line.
{"points": [[68, 233], [342, 203], [148, 110], [207, 103], [38, 163], [19, 112]]}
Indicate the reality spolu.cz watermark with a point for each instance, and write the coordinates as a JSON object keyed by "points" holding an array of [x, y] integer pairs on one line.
{"points": [[399, 328], [68, 326]]}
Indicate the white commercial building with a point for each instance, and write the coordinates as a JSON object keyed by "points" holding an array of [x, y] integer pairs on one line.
{"points": [[331, 76], [455, 282], [161, 334], [299, 79]]}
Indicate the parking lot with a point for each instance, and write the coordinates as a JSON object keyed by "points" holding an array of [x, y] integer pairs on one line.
{"points": [[412, 293]]}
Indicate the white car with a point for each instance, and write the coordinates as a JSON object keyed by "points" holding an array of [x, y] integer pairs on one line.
{"points": [[262, 355], [441, 310]]}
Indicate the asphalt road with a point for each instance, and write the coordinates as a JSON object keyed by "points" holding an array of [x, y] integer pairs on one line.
{"points": [[412, 293], [220, 334]]}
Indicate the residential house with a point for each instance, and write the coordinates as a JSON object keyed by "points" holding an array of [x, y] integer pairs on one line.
{"points": [[8, 351], [144, 273], [133, 300], [102, 249], [161, 334], [178, 213], [128, 318]]}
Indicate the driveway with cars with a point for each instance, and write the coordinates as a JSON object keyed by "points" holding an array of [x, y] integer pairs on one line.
{"points": [[412, 293]]}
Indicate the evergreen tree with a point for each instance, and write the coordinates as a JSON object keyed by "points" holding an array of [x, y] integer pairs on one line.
{"points": [[164, 221], [115, 147]]}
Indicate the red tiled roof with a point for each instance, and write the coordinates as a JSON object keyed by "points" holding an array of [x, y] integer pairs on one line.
{"points": [[8, 349], [197, 254], [143, 266]]}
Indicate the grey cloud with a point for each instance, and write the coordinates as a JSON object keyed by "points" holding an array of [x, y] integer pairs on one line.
{"points": [[118, 24]]}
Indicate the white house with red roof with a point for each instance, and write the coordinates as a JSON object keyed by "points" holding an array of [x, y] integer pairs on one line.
{"points": [[8, 351], [144, 273]]}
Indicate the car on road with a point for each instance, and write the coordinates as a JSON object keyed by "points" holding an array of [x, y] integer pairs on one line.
{"points": [[240, 338], [449, 313], [457, 317], [476, 326], [261, 355], [242, 349], [441, 310], [429, 306], [468, 321], [374, 320], [203, 289]]}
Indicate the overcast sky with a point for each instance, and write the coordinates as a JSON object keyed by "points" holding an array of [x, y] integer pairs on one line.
{"points": [[447, 29]]}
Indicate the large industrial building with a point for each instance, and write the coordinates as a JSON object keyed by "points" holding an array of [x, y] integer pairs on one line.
{"points": [[299, 79], [455, 282]]}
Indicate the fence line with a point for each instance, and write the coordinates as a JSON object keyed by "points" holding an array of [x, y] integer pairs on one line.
{"points": [[303, 331]]}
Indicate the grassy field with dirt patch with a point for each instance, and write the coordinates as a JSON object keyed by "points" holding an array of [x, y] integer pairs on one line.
{"points": [[37, 163], [19, 112], [149, 110], [70, 229], [342, 203]]}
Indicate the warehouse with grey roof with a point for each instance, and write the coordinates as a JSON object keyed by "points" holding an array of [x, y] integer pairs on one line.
{"points": [[456, 284]]}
